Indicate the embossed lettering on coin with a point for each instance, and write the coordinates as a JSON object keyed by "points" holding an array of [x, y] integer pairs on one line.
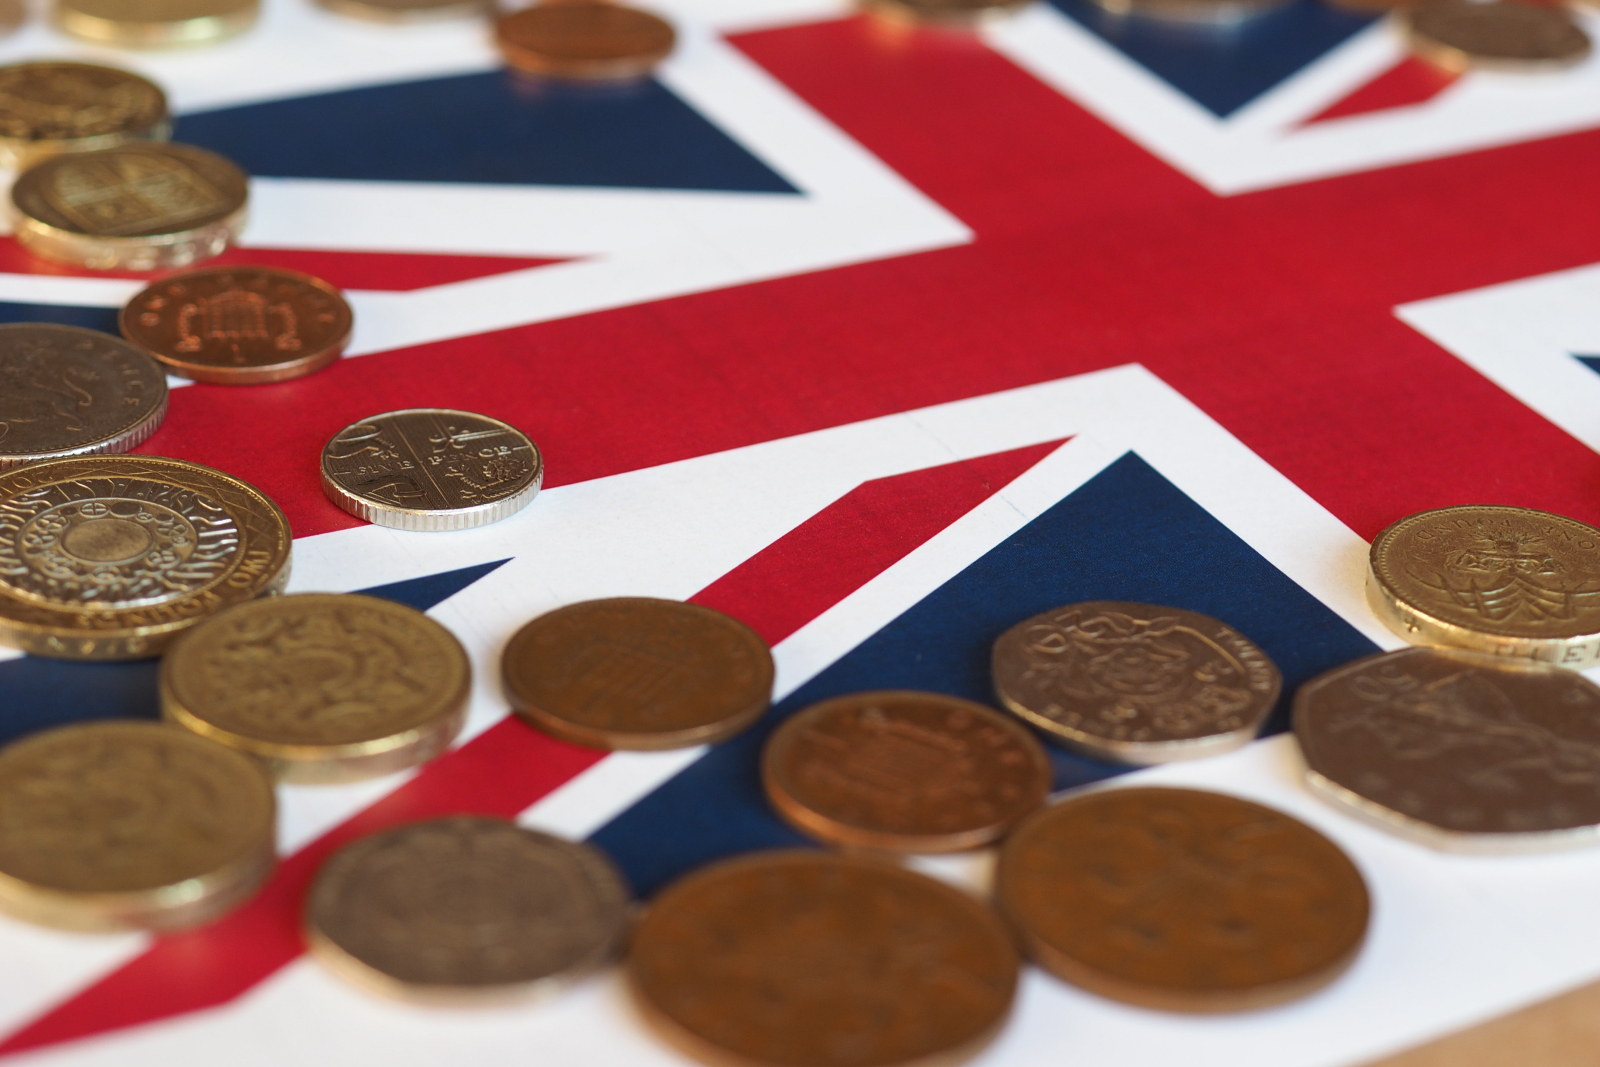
{"points": [[584, 39], [74, 107], [1494, 35]]}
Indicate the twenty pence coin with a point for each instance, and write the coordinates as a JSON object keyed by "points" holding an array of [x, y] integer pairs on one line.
{"points": [[1505, 35], [55, 106], [465, 910], [154, 23], [811, 959], [584, 40], [638, 673], [322, 687], [130, 825], [1181, 900], [904, 771]]}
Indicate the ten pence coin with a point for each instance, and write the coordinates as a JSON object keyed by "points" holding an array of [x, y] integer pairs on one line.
{"points": [[638, 673], [811, 959], [904, 771], [50, 107], [584, 40], [1502, 35], [1181, 900], [154, 23]]}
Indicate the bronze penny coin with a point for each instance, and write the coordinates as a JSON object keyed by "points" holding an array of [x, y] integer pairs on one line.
{"points": [[1181, 900], [1495, 35], [638, 673], [239, 325], [1135, 683], [813, 959], [584, 40], [904, 771]]}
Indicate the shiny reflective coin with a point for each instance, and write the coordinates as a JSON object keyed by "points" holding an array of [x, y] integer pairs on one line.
{"points": [[1495, 35], [323, 687], [431, 469], [154, 23], [811, 959], [137, 207], [1181, 900], [1458, 750], [1512, 581], [904, 771], [52, 107], [465, 909], [130, 825], [638, 673], [583, 40], [1135, 683], [939, 12], [239, 325], [110, 557], [66, 391], [1197, 12], [406, 11]]}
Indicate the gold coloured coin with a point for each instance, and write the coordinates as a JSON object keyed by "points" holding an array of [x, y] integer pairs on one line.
{"points": [[154, 23], [322, 687], [584, 40], [1512, 581], [638, 673], [111, 557], [136, 207], [66, 391], [55, 106], [406, 11], [130, 825], [1505, 35]]}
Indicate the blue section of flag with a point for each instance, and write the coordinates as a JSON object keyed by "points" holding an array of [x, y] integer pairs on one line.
{"points": [[104, 319], [1592, 362], [1128, 534]]}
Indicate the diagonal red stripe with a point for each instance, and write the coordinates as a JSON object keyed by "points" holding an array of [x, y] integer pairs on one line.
{"points": [[1408, 82]]}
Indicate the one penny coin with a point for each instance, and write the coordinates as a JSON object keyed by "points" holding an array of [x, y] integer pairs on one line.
{"points": [[904, 771], [1182, 900], [56, 106], [584, 40], [819, 960], [1503, 35], [638, 673]]}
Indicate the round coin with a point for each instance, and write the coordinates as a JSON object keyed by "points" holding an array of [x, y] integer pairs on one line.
{"points": [[812, 959], [66, 391], [1502, 35], [431, 469], [130, 825], [239, 325], [322, 687], [406, 11], [1181, 900], [50, 107], [110, 557], [465, 909], [154, 23], [638, 673], [904, 771], [1136, 683], [583, 40]]}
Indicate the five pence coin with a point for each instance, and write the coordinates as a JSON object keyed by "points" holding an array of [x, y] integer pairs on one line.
{"points": [[57, 106], [584, 40], [1506, 35]]}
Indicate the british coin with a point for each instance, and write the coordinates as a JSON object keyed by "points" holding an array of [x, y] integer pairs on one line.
{"points": [[239, 325], [1458, 750], [111, 557], [904, 771], [154, 23], [1182, 900], [955, 13], [431, 469], [66, 391], [406, 11], [812, 959], [638, 673], [1505, 35], [1512, 581], [584, 40], [56, 106], [465, 909], [1136, 683], [322, 687], [122, 825]]}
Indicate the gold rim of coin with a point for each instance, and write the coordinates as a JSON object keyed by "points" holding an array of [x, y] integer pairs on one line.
{"points": [[111, 557], [322, 687], [406, 12], [1507, 580], [123, 825], [584, 40], [1503, 35], [57, 106], [154, 24], [638, 673]]}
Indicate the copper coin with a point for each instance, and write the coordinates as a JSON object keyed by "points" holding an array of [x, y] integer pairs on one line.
{"points": [[239, 325], [638, 673], [584, 40], [1182, 900], [813, 959], [1494, 35], [904, 771]]}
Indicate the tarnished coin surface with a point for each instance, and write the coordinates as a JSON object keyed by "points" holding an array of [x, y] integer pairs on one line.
{"points": [[1458, 750], [1135, 683], [584, 40], [56, 106], [431, 469], [154, 23], [812, 959], [406, 11], [904, 771], [323, 687], [122, 825], [1506, 35], [1512, 581], [465, 909], [239, 325], [638, 673], [66, 391], [110, 557], [1182, 900]]}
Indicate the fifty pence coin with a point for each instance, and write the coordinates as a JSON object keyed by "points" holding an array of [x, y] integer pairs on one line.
{"points": [[1182, 900], [904, 771], [431, 469], [584, 40], [154, 23], [1135, 683], [1504, 35], [66, 391], [56, 106]]}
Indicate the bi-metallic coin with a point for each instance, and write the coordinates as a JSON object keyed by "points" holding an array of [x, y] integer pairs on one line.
{"points": [[1505, 35], [56, 106], [584, 40], [154, 23]]}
